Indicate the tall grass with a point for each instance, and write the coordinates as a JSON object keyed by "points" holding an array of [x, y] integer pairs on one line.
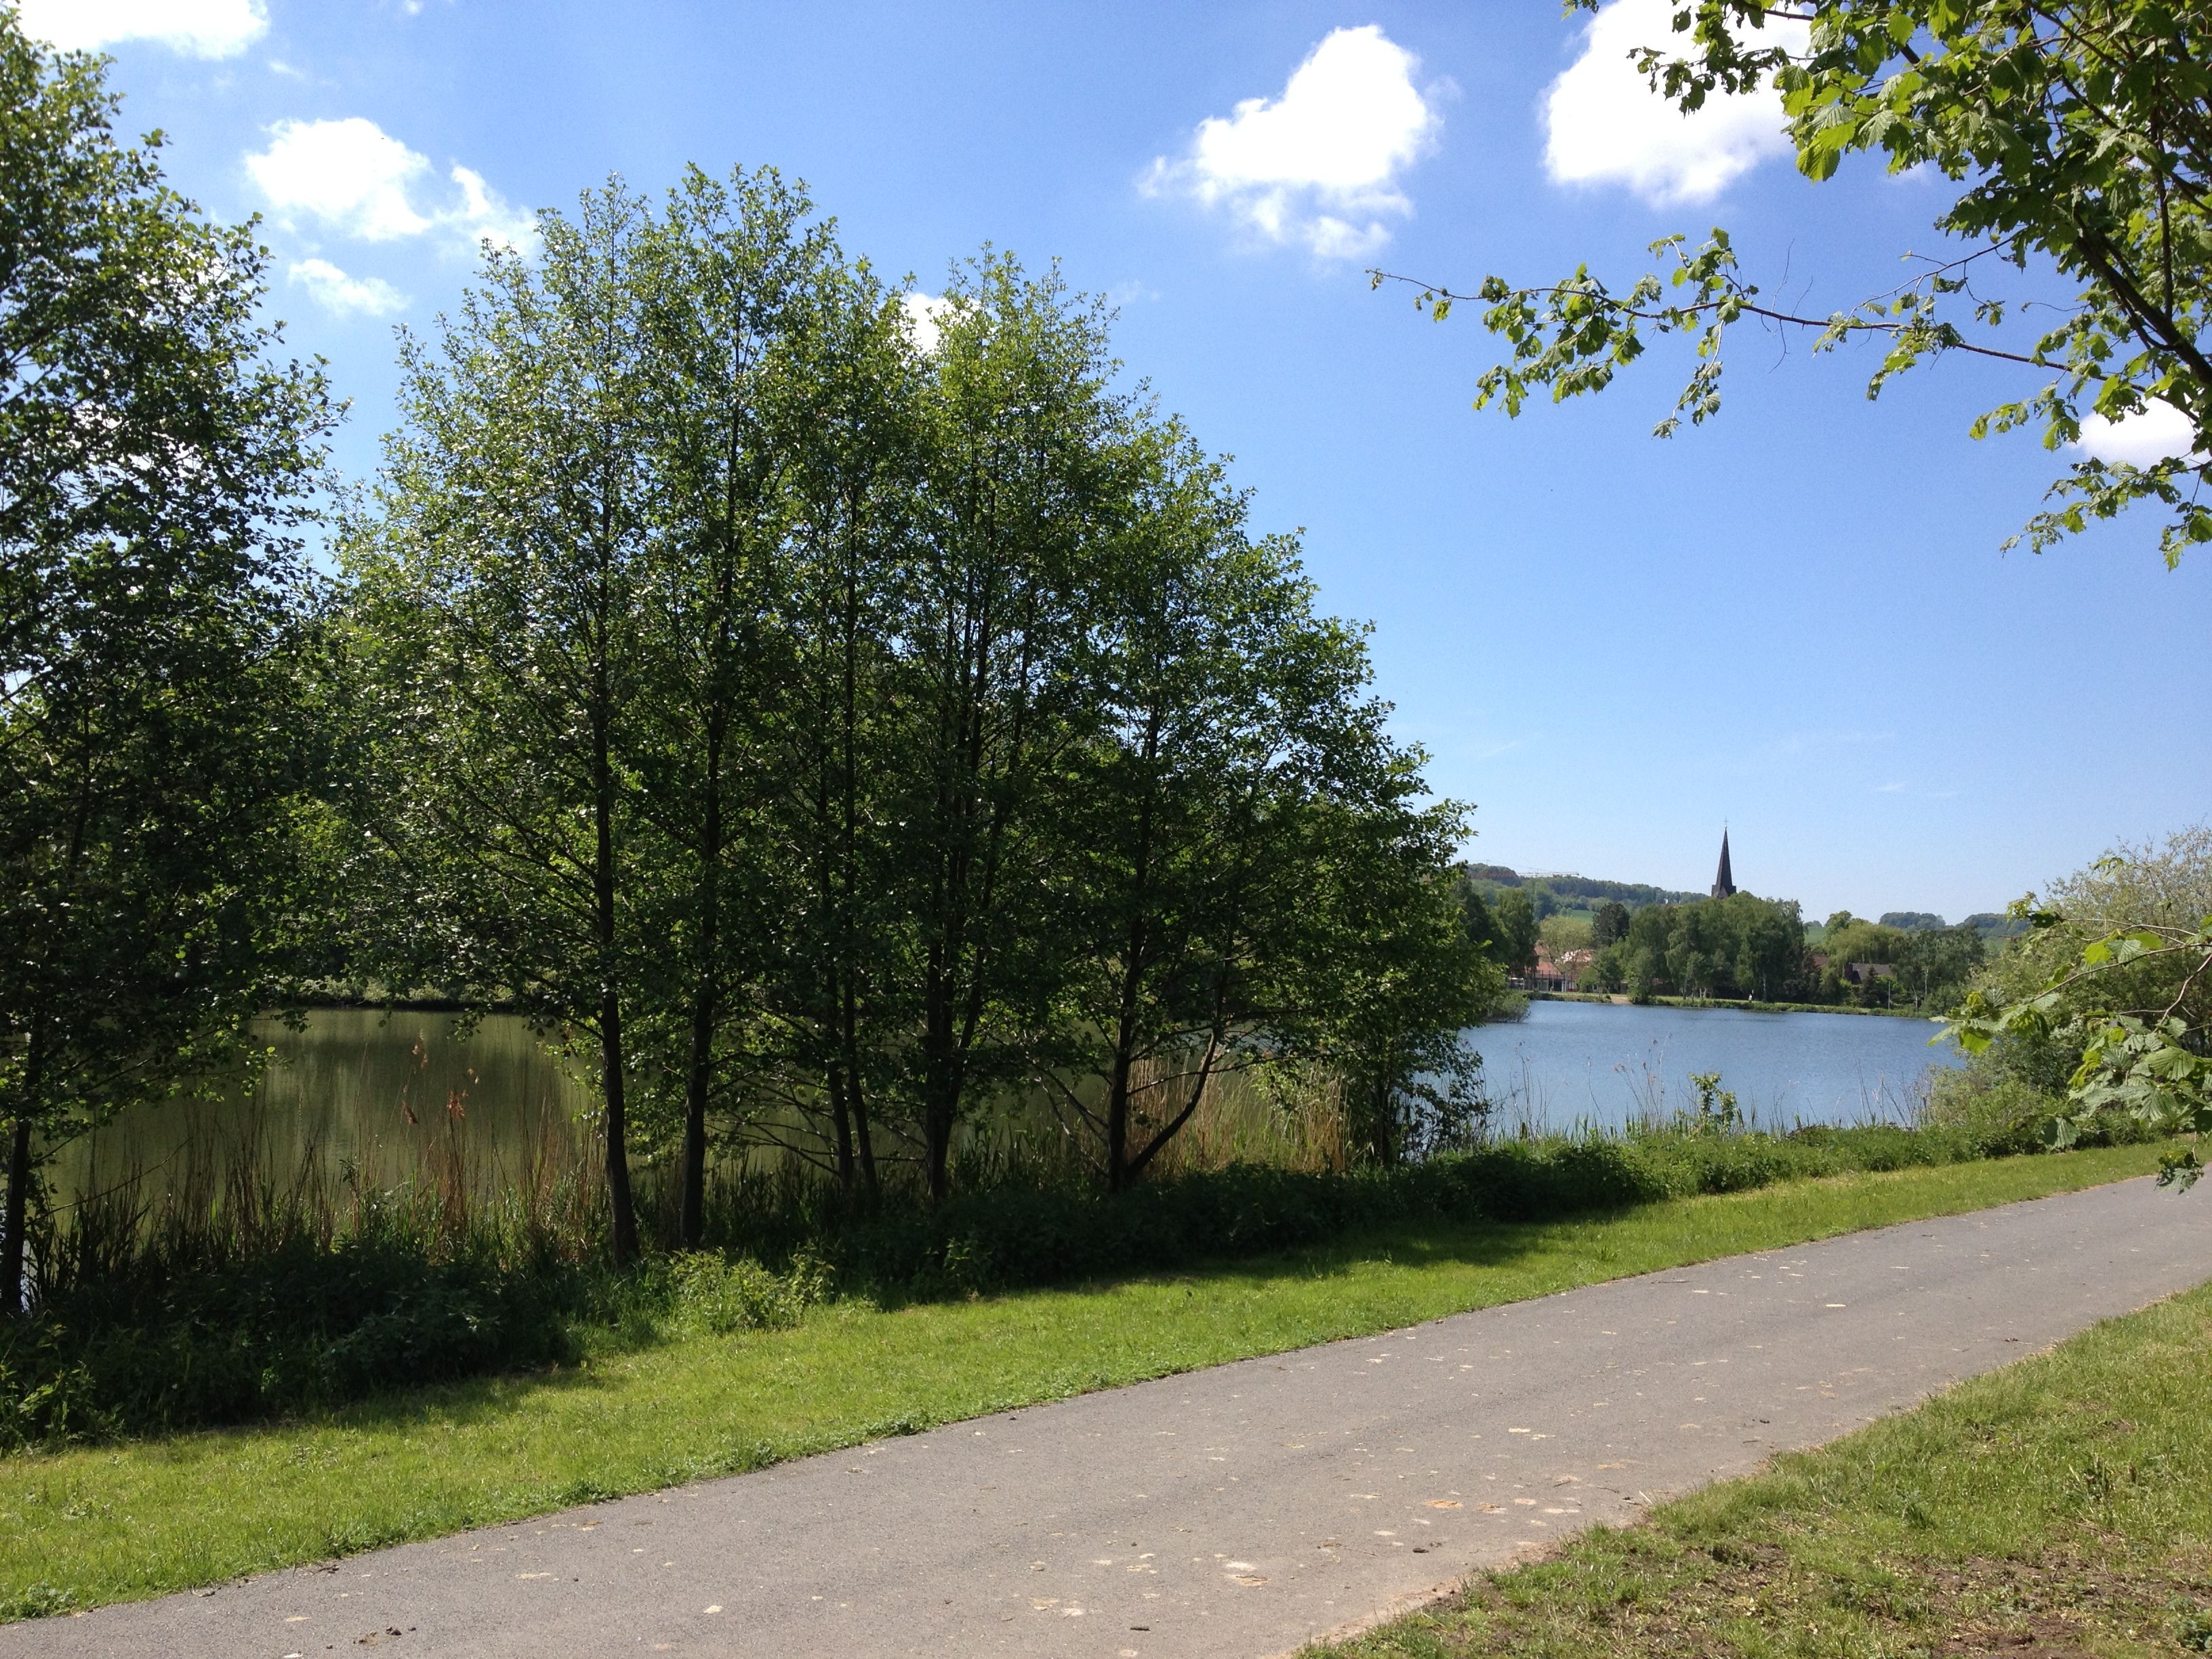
{"points": [[228, 1285]]}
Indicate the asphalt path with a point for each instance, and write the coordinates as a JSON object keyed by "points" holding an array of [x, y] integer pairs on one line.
{"points": [[1241, 1511]]}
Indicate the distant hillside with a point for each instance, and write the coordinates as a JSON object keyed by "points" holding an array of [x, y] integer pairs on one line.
{"points": [[1568, 893], [1572, 892]]}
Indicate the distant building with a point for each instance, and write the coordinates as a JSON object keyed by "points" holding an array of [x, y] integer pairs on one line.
{"points": [[1865, 973], [1724, 883]]}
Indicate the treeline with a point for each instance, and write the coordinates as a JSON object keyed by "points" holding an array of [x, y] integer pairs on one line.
{"points": [[1552, 894], [826, 715], [1746, 947]]}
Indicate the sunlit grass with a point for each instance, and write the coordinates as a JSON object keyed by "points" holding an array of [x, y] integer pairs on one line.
{"points": [[2060, 1507], [111, 1523]]}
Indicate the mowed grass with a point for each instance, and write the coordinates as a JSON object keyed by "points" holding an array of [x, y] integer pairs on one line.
{"points": [[114, 1523], [2058, 1509]]}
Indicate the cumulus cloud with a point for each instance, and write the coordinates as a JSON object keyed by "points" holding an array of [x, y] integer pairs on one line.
{"points": [[204, 28], [347, 297], [2160, 433], [484, 213], [1605, 125], [922, 310], [356, 178], [1320, 165]]}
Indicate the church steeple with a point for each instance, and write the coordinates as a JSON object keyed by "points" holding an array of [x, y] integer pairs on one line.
{"points": [[1724, 883]]}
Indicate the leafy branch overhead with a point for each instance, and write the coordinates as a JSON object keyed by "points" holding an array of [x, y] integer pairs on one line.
{"points": [[2080, 135]]}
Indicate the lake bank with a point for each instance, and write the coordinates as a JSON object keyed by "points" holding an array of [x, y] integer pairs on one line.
{"points": [[1751, 1005]]}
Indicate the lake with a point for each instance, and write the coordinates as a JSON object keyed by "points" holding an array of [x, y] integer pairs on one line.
{"points": [[1610, 1064], [389, 1098]]}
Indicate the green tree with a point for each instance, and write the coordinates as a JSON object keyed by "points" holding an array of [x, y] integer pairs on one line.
{"points": [[1229, 715], [157, 734], [1393, 980], [1610, 925], [1031, 464], [2078, 135], [840, 1005], [2113, 983], [1934, 967], [499, 603], [730, 279], [1513, 944]]}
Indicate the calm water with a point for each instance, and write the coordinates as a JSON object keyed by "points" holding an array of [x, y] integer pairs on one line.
{"points": [[384, 1096], [1611, 1064], [390, 1097]]}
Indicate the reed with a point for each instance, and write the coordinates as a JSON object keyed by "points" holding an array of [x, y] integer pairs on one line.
{"points": [[231, 1284]]}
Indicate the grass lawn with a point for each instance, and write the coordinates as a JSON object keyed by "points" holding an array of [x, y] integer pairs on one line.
{"points": [[2058, 1509], [113, 1522]]}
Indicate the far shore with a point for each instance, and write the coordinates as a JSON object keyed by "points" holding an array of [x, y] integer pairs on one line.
{"points": [[1752, 1006]]}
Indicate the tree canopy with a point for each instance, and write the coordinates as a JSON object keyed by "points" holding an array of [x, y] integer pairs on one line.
{"points": [[2079, 136], [158, 701]]}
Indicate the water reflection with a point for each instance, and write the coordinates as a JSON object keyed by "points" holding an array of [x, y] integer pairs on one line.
{"points": [[386, 1097], [1608, 1064]]}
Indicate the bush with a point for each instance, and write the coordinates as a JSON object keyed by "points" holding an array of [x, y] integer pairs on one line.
{"points": [[245, 1309]]}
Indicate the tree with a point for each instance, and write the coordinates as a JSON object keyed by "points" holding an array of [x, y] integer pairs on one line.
{"points": [[732, 278], [1031, 462], [1394, 981], [2080, 135], [158, 754], [1610, 925], [498, 601], [1934, 967], [1514, 944], [1229, 716], [839, 999], [2114, 977]]}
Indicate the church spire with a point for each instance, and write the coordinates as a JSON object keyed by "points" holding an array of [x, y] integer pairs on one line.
{"points": [[1724, 883]]}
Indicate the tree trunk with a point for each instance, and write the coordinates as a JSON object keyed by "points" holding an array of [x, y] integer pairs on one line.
{"points": [[691, 1227], [622, 1210], [15, 1226]]}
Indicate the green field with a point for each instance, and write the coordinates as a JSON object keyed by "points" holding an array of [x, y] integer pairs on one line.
{"points": [[2059, 1509], [110, 1523]]}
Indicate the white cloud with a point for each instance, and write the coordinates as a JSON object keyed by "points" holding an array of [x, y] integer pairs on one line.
{"points": [[2160, 433], [485, 214], [1605, 125], [358, 179], [343, 295], [922, 310], [1321, 164], [350, 175], [204, 28]]}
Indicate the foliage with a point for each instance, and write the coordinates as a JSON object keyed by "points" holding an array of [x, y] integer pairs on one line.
{"points": [[2116, 978], [832, 733], [1738, 946], [2080, 138], [274, 1293], [158, 715]]}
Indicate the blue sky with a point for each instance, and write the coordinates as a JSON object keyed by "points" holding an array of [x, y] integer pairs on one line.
{"points": [[1796, 619]]}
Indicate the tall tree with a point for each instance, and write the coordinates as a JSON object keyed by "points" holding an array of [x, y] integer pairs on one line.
{"points": [[731, 277], [841, 997], [1031, 465], [1392, 979], [1226, 712], [1513, 944], [156, 757], [498, 601]]}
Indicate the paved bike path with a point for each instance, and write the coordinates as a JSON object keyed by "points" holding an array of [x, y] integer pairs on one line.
{"points": [[1236, 1512]]}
